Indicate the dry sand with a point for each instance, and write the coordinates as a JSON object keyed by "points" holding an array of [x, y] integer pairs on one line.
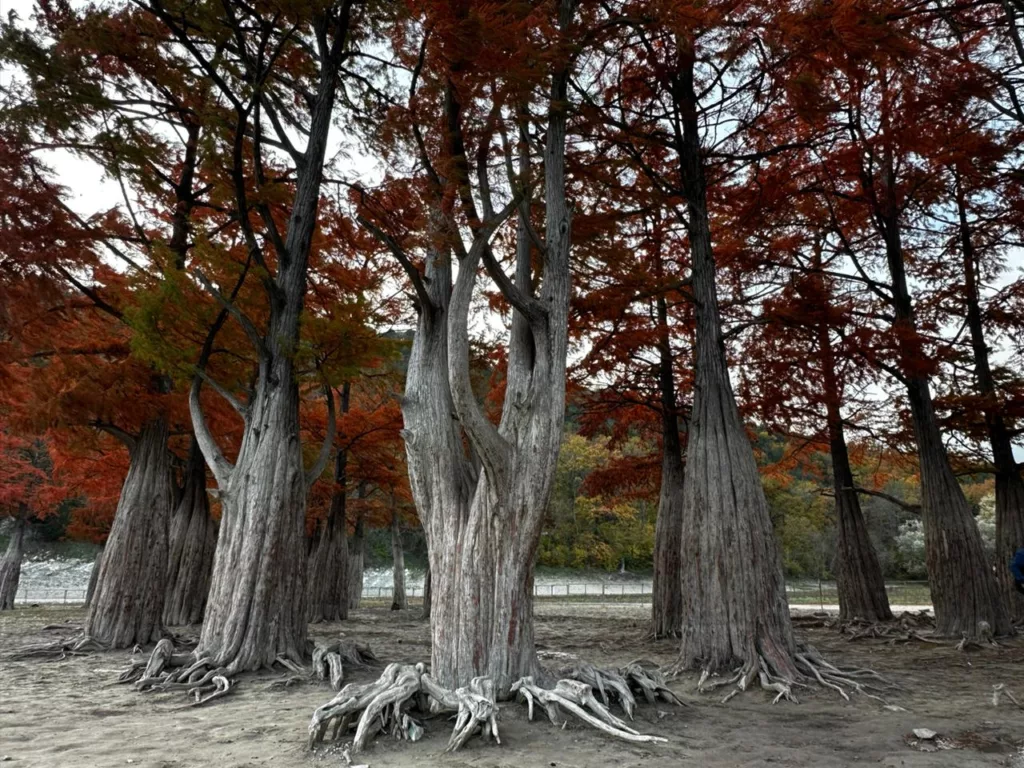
{"points": [[66, 715]]}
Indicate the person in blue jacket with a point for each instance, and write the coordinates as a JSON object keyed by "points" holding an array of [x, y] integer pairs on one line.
{"points": [[1017, 569]]}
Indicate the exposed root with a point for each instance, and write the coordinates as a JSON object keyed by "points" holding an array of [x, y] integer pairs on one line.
{"points": [[219, 686], [166, 670], [286, 682], [982, 639], [809, 661], [329, 661], [477, 710], [1000, 690], [78, 645], [385, 706], [646, 678], [906, 628], [578, 698], [810, 665], [638, 678], [609, 684]]}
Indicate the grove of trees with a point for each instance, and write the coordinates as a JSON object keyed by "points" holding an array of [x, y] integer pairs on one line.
{"points": [[724, 290]]}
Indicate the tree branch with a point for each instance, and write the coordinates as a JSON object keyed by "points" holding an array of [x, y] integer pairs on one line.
{"points": [[914, 509], [125, 437]]}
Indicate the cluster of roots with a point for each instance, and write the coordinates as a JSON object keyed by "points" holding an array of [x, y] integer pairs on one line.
{"points": [[907, 628], [330, 660], [77, 645], [405, 695], [165, 670], [812, 669]]}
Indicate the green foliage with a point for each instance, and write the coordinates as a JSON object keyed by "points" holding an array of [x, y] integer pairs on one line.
{"points": [[593, 531]]}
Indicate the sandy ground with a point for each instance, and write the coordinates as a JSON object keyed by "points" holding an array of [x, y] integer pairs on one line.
{"points": [[65, 714]]}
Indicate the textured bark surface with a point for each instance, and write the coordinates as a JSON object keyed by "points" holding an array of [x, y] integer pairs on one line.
{"points": [[192, 540], [94, 575], [127, 604], [328, 562], [399, 601], [1009, 484], [256, 609], [734, 599], [965, 590], [10, 563], [428, 592], [667, 603], [356, 559], [859, 577], [1009, 535], [482, 511]]}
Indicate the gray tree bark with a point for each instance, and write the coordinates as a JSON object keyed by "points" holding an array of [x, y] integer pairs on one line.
{"points": [[256, 610], [127, 605], [734, 611], [1009, 483], [858, 573], [192, 542], [427, 594], [667, 600], [965, 592], [329, 562], [10, 564], [356, 559], [94, 575], [482, 512], [398, 598]]}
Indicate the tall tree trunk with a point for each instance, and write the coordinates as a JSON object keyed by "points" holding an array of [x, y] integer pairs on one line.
{"points": [[1009, 484], [858, 573], [483, 512], [734, 598], [256, 609], [398, 598], [667, 605], [329, 562], [356, 561], [192, 542], [127, 605], [965, 592], [10, 564], [94, 575]]}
